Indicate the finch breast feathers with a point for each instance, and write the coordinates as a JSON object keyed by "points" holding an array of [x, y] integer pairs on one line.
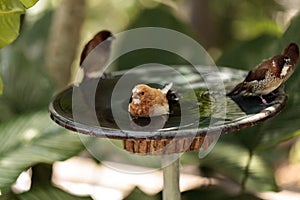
{"points": [[148, 102]]}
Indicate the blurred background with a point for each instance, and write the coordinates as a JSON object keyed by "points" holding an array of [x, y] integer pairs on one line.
{"points": [[40, 160]]}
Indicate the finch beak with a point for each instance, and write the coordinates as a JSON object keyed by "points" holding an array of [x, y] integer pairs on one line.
{"points": [[136, 98]]}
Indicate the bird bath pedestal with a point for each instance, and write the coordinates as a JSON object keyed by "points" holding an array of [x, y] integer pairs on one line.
{"points": [[99, 108]]}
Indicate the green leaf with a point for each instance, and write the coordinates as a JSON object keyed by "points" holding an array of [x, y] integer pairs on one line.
{"points": [[33, 139], [1, 85], [232, 160], [294, 156], [29, 3], [48, 193], [8, 196], [23, 65], [211, 193], [291, 34], [10, 13], [215, 193], [137, 194]]}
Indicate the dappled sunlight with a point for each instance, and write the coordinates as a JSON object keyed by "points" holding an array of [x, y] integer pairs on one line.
{"points": [[82, 176]]}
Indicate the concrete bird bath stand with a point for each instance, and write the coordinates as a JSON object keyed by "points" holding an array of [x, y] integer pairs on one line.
{"points": [[99, 108]]}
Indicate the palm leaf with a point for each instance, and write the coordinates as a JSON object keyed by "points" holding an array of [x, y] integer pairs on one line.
{"points": [[137, 194], [1, 86], [48, 193], [33, 139], [235, 161]]}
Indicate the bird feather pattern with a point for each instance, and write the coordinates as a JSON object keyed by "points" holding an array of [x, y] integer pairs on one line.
{"points": [[269, 74]]}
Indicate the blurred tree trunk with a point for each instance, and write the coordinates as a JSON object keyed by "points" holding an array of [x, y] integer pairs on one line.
{"points": [[201, 20], [63, 40]]}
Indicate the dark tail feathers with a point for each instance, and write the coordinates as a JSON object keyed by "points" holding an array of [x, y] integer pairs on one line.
{"points": [[237, 90]]}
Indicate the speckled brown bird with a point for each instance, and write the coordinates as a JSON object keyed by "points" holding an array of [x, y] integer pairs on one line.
{"points": [[269, 75], [148, 102], [93, 59]]}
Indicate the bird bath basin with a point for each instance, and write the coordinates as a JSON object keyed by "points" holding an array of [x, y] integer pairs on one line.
{"points": [[99, 108], [95, 116]]}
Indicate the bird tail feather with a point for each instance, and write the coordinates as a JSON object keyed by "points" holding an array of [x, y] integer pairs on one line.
{"points": [[237, 90], [167, 88]]}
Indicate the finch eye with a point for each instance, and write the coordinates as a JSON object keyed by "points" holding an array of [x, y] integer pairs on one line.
{"points": [[287, 60]]}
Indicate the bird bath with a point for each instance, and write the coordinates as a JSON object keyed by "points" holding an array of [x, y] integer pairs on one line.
{"points": [[103, 113]]}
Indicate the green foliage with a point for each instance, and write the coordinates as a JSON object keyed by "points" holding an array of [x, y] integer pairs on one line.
{"points": [[49, 193], [28, 136], [43, 192], [33, 139], [232, 158], [145, 19], [283, 126], [245, 55], [259, 139], [137, 194], [10, 13], [1, 86], [29, 3], [10, 19], [294, 155], [241, 20], [214, 193], [22, 69]]}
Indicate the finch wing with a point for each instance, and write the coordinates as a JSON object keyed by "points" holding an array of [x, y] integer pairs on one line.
{"points": [[258, 73]]}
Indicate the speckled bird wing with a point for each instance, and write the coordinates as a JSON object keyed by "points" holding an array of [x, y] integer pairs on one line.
{"points": [[258, 73]]}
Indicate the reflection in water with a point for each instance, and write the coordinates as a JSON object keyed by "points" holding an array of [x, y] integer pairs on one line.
{"points": [[148, 124], [252, 104]]}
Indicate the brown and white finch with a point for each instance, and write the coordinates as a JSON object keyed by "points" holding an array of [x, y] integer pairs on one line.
{"points": [[148, 102], [93, 57], [269, 75]]}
